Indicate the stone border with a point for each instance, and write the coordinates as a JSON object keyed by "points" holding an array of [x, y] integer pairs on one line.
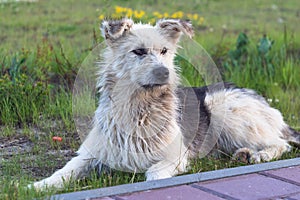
{"points": [[175, 181]]}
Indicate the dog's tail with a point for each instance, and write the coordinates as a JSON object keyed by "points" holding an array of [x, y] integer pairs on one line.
{"points": [[293, 137]]}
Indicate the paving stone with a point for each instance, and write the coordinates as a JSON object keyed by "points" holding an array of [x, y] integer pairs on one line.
{"points": [[103, 198], [251, 187], [180, 192], [290, 173], [263, 185], [295, 196]]}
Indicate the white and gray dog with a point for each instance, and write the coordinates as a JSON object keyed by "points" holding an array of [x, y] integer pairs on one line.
{"points": [[139, 125]]}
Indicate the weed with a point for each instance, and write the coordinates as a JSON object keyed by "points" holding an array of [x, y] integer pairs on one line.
{"points": [[240, 52]]}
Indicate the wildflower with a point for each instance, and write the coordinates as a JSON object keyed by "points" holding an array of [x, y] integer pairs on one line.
{"points": [[280, 20], [115, 15], [190, 16], [157, 14], [166, 15], [195, 17], [274, 7], [139, 14], [101, 17], [178, 14], [201, 20], [152, 21], [129, 12], [120, 9], [270, 100]]}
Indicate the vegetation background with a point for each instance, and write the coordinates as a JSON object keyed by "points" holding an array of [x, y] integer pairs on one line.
{"points": [[254, 43]]}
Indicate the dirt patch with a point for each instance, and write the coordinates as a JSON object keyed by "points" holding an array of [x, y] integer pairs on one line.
{"points": [[37, 156], [15, 145]]}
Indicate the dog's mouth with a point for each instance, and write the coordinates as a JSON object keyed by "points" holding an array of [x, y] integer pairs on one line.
{"points": [[151, 86]]}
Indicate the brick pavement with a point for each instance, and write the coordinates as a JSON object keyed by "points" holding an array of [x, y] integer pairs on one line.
{"points": [[276, 180]]}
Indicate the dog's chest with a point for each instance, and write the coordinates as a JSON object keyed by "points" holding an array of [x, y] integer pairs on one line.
{"points": [[137, 135]]}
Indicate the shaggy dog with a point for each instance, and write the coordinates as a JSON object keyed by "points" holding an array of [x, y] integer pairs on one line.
{"points": [[146, 123]]}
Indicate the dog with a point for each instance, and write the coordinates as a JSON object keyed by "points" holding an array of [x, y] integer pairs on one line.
{"points": [[146, 123]]}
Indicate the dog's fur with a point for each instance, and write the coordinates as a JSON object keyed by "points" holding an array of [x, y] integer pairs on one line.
{"points": [[142, 123]]}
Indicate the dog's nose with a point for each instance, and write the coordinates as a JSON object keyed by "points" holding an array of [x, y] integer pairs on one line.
{"points": [[161, 73]]}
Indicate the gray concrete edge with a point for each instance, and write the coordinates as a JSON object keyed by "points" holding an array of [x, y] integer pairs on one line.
{"points": [[175, 181]]}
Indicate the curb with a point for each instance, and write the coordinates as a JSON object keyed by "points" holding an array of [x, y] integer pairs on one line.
{"points": [[175, 181]]}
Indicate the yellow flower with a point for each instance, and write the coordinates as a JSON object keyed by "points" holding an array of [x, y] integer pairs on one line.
{"points": [[115, 15], [101, 17], [152, 21], [190, 16], [201, 20], [129, 12], [120, 9], [157, 14], [174, 15], [195, 16], [138, 14], [178, 14], [166, 15]]}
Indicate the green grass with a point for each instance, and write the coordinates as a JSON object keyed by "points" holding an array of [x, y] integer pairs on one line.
{"points": [[43, 45]]}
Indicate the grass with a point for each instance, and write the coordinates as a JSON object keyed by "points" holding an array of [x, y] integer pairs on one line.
{"points": [[43, 45]]}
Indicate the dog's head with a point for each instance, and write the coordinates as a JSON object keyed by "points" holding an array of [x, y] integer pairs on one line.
{"points": [[141, 53]]}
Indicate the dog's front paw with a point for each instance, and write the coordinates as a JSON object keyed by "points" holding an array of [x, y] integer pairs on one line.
{"points": [[244, 155], [37, 185], [249, 156], [157, 175], [48, 183]]}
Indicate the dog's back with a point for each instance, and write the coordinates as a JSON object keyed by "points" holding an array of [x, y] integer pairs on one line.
{"points": [[234, 120]]}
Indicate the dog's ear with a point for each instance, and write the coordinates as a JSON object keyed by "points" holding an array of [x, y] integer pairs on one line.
{"points": [[114, 29], [173, 28]]}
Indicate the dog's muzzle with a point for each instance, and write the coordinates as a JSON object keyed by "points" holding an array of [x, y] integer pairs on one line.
{"points": [[161, 74]]}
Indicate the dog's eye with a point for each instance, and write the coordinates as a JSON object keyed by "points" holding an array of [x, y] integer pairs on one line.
{"points": [[140, 52], [164, 51]]}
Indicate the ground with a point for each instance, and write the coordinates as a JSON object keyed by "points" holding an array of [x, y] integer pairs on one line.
{"points": [[44, 43]]}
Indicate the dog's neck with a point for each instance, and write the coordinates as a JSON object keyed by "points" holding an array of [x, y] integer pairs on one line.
{"points": [[141, 113], [143, 106]]}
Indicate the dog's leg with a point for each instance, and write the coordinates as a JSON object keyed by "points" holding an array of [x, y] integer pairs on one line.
{"points": [[273, 152], [175, 162], [166, 169], [78, 166], [243, 154], [73, 170], [247, 155]]}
